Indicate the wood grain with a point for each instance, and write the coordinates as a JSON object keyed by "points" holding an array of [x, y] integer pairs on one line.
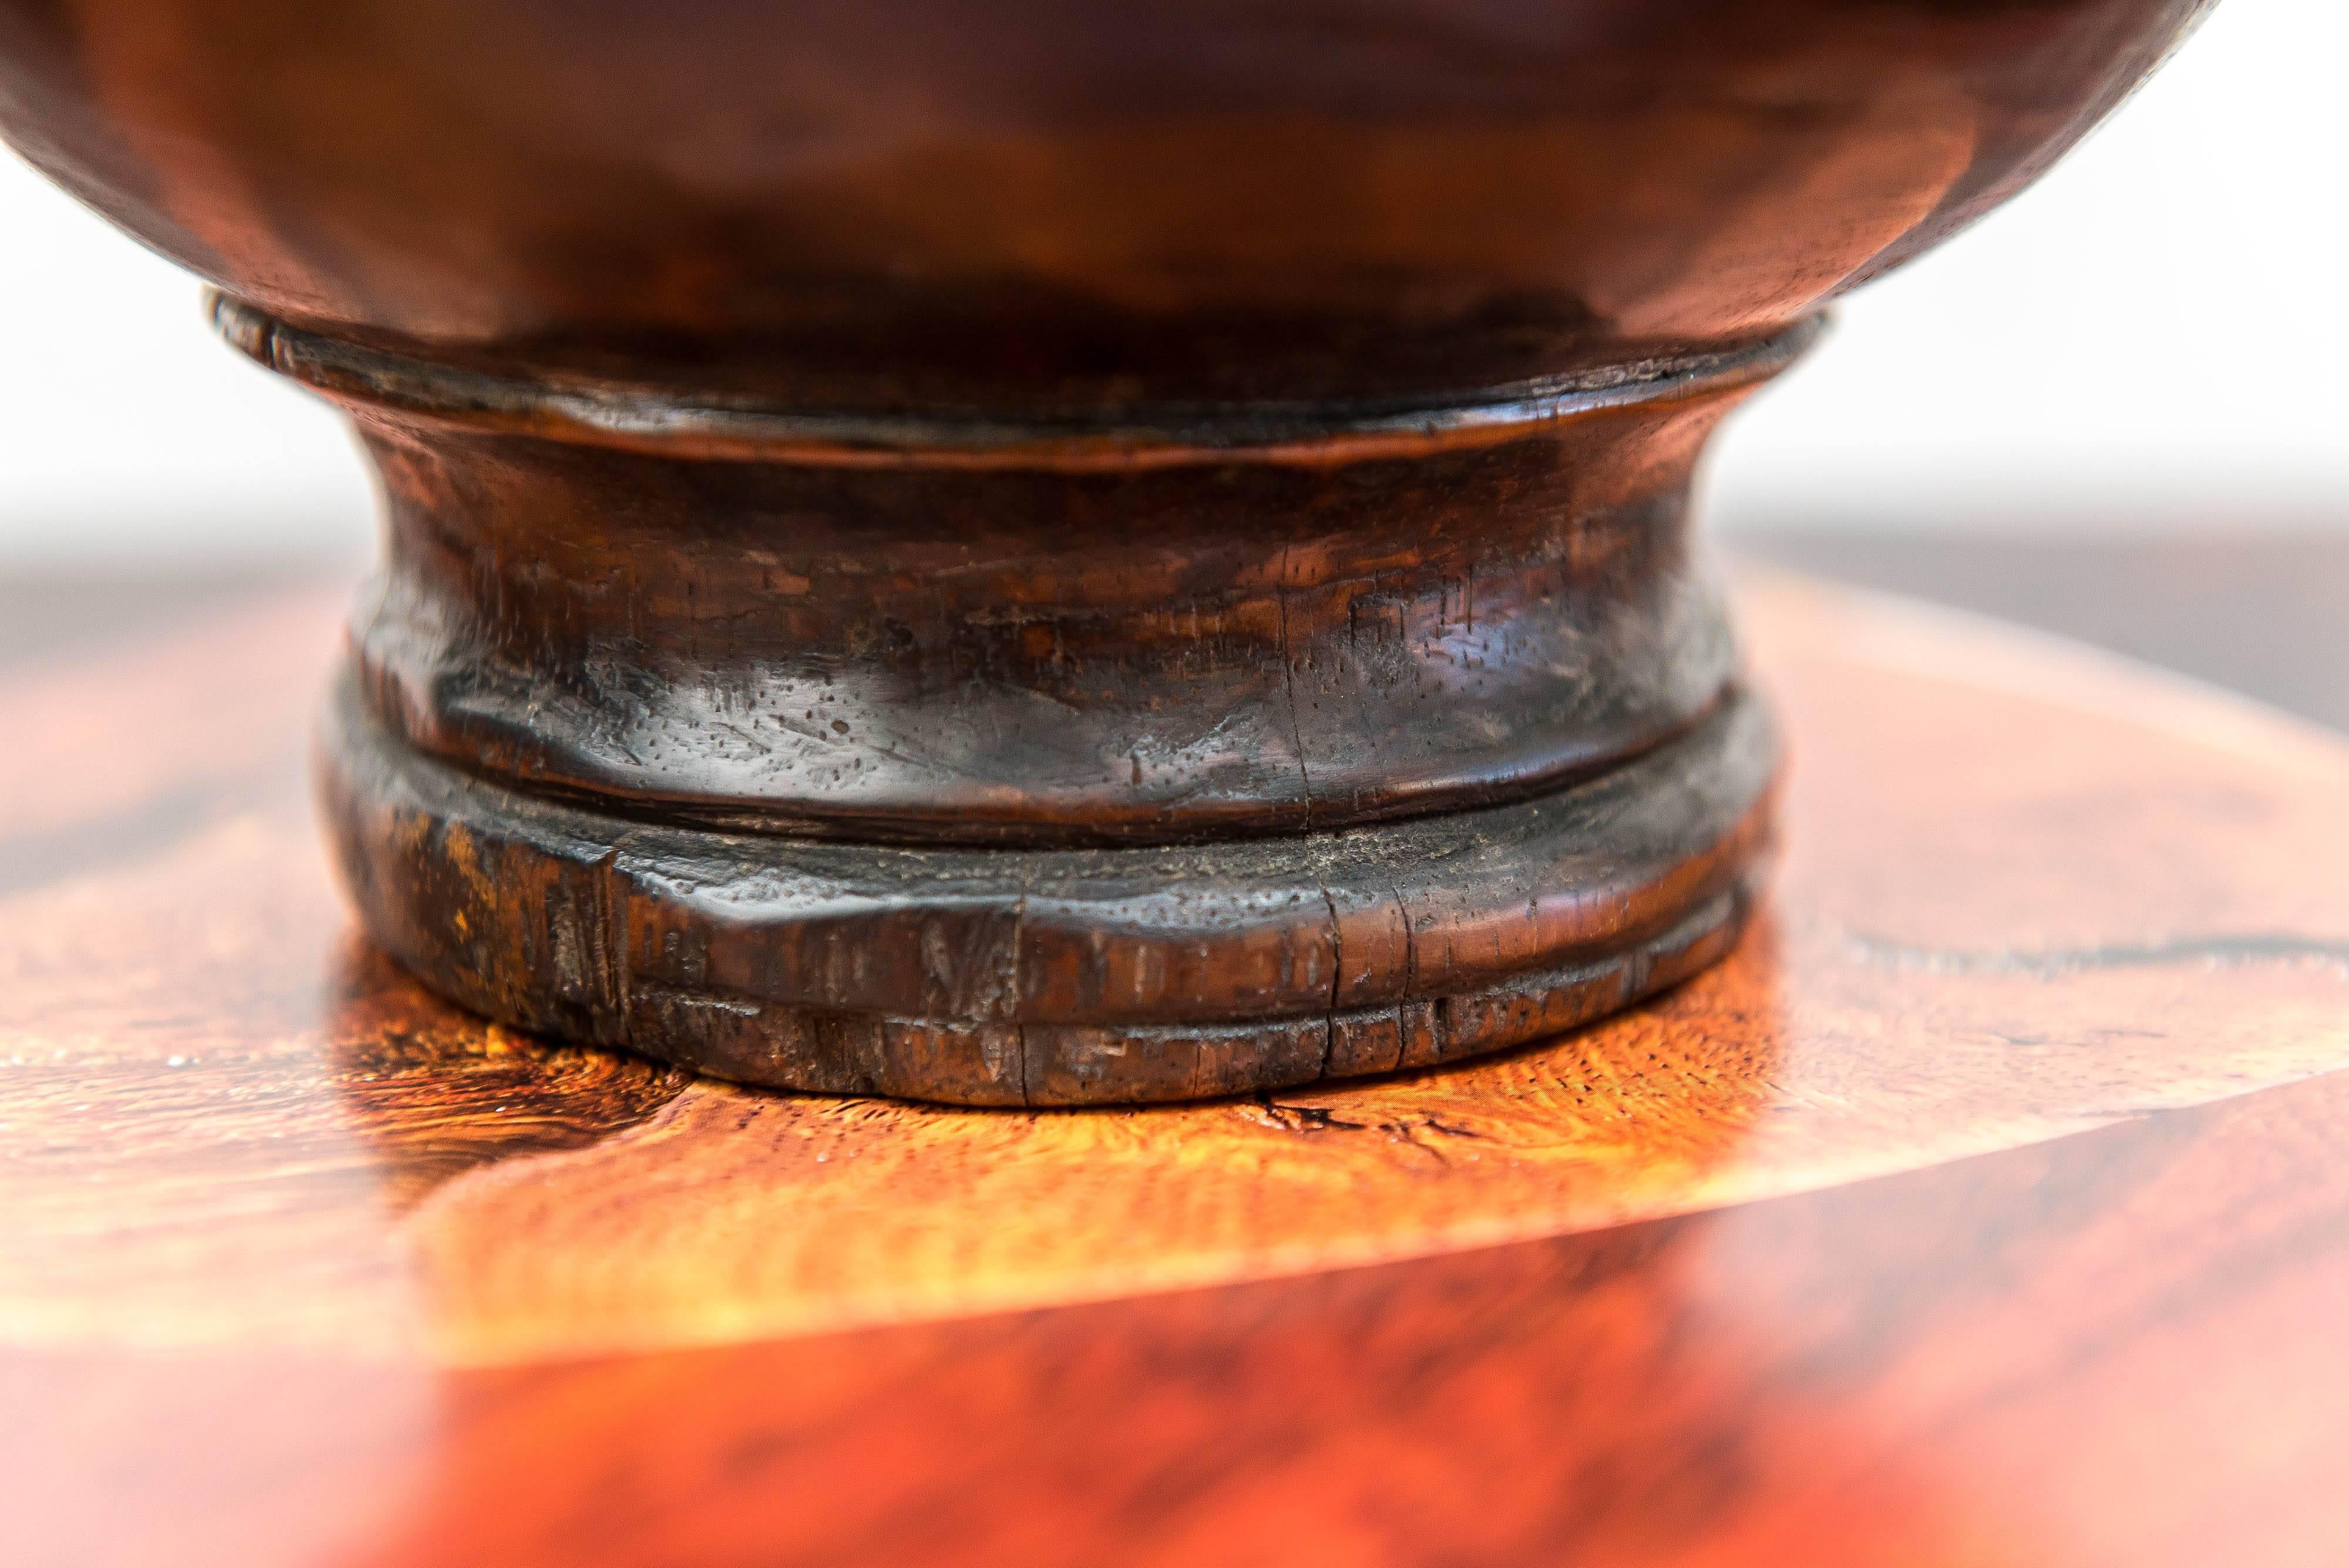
{"points": [[257, 1135], [1983, 1207], [2116, 1348]]}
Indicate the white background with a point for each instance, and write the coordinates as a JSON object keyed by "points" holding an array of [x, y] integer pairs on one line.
{"points": [[2155, 337]]}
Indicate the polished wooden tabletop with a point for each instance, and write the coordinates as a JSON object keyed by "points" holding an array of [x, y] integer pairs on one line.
{"points": [[1986, 1207]]}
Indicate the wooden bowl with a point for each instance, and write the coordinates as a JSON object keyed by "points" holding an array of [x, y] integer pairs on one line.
{"points": [[1035, 553]]}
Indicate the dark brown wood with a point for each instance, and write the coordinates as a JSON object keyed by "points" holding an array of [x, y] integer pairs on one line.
{"points": [[977, 977], [1028, 553], [1012, 205], [958, 633], [1020, 764], [1984, 1205]]}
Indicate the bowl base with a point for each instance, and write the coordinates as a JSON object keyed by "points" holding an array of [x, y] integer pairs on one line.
{"points": [[1016, 976], [1028, 758]]}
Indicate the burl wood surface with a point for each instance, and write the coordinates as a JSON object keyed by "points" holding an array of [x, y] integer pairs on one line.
{"points": [[1985, 1207]]}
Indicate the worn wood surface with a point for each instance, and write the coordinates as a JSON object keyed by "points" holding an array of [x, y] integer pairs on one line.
{"points": [[986, 766], [997, 775], [1083, 977], [1983, 1207]]}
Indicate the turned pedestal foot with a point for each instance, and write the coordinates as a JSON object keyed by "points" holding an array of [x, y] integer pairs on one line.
{"points": [[1047, 762]]}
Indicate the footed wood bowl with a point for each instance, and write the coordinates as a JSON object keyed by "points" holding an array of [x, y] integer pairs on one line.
{"points": [[1013, 552]]}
